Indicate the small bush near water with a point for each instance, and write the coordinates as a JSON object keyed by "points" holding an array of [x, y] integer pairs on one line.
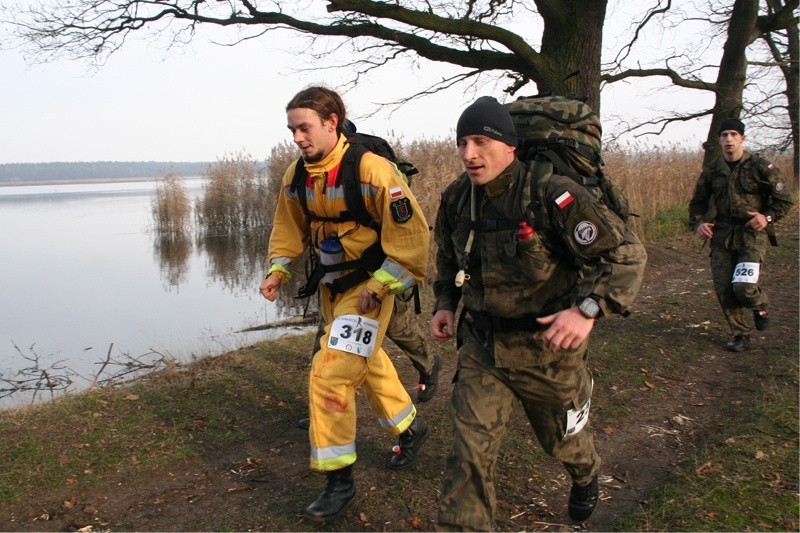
{"points": [[172, 207], [237, 197]]}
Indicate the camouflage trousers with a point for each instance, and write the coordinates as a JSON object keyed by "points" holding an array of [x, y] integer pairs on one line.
{"points": [[404, 331], [480, 407], [737, 299]]}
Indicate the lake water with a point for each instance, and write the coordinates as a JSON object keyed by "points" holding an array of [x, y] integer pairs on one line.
{"points": [[82, 270]]}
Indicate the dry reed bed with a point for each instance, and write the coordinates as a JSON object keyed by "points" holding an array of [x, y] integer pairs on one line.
{"points": [[241, 193]]}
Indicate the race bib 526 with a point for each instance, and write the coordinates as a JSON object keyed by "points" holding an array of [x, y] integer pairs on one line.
{"points": [[746, 273]]}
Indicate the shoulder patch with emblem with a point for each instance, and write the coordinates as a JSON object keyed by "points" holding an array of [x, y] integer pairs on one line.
{"points": [[585, 232], [401, 210]]}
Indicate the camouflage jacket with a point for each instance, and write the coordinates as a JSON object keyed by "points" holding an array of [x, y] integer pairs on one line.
{"points": [[754, 184], [588, 251]]}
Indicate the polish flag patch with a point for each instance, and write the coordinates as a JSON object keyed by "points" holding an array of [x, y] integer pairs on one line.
{"points": [[564, 200], [395, 192]]}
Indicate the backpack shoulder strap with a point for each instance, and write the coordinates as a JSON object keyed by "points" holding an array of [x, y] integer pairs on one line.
{"points": [[299, 185], [351, 180], [539, 172]]}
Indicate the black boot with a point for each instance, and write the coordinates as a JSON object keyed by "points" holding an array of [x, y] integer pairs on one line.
{"points": [[339, 493], [738, 344], [304, 423], [761, 319], [408, 445], [583, 500], [429, 382]]}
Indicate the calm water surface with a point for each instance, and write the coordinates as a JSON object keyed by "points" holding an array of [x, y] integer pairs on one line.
{"points": [[81, 269]]}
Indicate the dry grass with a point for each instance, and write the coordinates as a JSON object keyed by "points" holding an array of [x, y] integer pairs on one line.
{"points": [[241, 194], [655, 181], [172, 207], [237, 197]]}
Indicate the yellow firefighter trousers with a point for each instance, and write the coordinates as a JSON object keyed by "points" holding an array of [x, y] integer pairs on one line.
{"points": [[335, 375]]}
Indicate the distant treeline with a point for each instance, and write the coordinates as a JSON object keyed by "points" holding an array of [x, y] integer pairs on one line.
{"points": [[97, 170]]}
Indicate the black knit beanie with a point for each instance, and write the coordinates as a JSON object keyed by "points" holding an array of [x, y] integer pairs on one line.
{"points": [[731, 124], [486, 116]]}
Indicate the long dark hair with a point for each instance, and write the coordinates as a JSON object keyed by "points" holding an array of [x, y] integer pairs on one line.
{"points": [[323, 101]]}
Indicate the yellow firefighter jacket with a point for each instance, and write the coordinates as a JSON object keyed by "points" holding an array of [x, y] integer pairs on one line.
{"points": [[404, 234]]}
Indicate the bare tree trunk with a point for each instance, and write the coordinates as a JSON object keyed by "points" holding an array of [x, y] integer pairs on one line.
{"points": [[793, 92], [789, 62], [572, 42], [732, 72]]}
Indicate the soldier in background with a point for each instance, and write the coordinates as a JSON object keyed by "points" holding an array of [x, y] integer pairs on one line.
{"points": [[529, 312], [749, 196]]}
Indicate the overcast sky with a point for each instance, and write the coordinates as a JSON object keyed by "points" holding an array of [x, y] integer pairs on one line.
{"points": [[205, 101]]}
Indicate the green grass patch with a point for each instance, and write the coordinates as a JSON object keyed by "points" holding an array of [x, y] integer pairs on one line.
{"points": [[172, 417], [787, 243], [745, 479], [669, 222]]}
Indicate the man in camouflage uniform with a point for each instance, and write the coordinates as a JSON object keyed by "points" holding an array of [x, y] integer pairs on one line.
{"points": [[749, 196], [531, 299]]}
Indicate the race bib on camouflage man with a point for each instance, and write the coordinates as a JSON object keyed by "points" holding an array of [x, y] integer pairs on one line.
{"points": [[577, 418], [746, 273], [354, 334]]}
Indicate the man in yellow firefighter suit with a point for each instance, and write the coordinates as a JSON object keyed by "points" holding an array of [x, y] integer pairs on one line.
{"points": [[356, 317]]}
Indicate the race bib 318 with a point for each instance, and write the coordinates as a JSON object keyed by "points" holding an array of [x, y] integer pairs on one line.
{"points": [[354, 334]]}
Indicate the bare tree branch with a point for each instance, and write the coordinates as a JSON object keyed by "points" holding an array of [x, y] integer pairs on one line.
{"points": [[660, 123], [649, 16], [471, 35], [676, 78]]}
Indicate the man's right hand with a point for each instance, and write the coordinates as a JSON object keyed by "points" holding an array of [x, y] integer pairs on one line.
{"points": [[705, 230], [442, 325], [269, 288]]}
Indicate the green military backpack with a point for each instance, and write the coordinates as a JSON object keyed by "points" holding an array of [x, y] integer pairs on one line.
{"points": [[562, 134]]}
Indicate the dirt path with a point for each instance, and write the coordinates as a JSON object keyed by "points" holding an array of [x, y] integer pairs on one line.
{"points": [[684, 385]]}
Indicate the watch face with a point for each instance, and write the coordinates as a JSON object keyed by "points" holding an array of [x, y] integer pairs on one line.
{"points": [[589, 307], [769, 218]]}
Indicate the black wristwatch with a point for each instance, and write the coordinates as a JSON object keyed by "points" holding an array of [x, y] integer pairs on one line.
{"points": [[589, 308]]}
